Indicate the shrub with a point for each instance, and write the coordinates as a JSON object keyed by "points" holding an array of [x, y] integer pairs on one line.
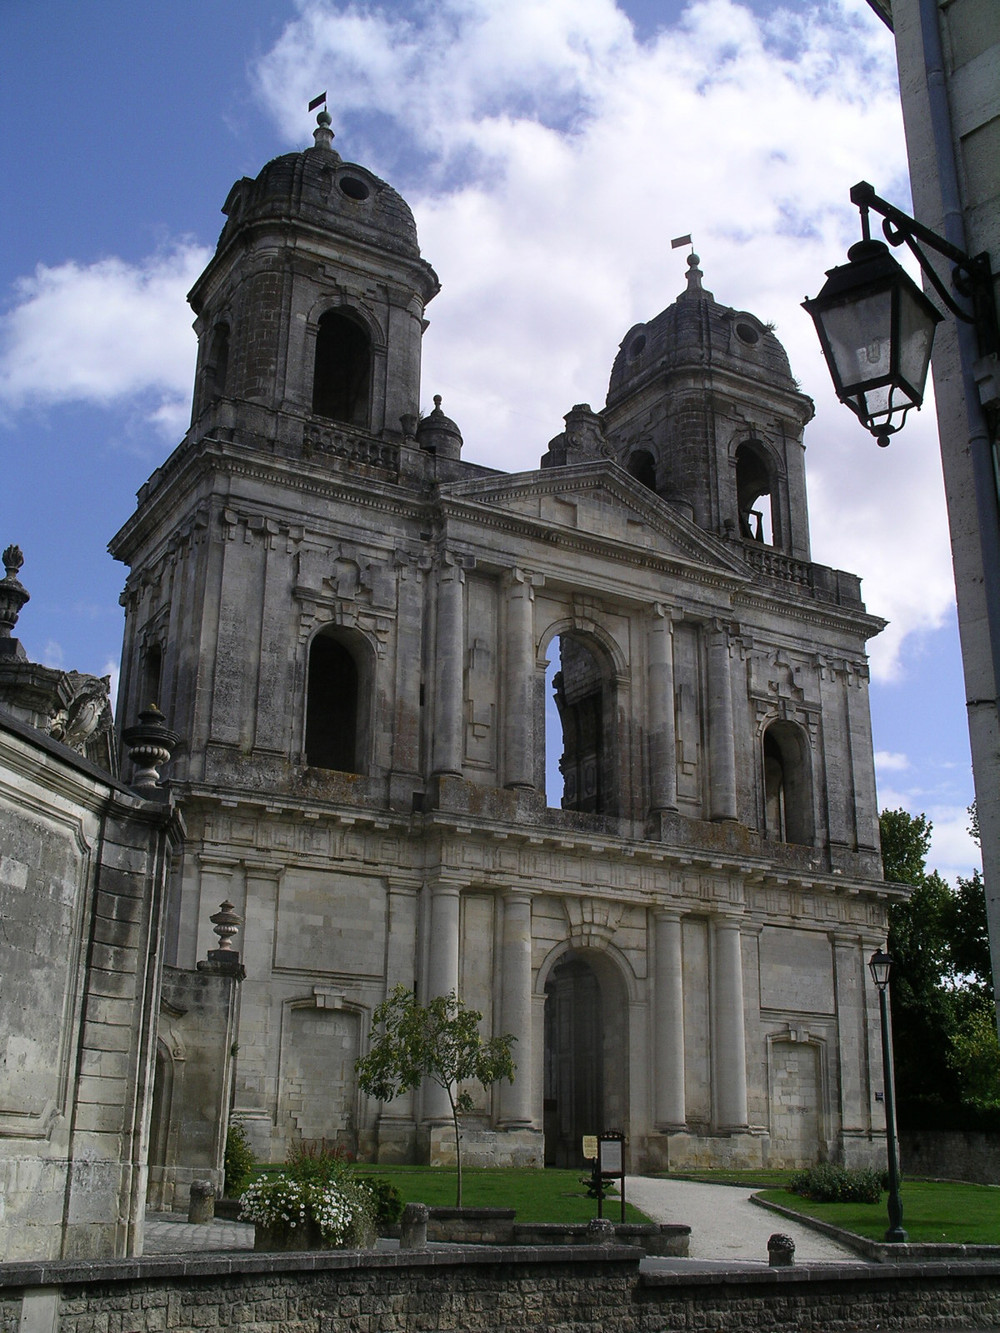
{"points": [[239, 1160], [314, 1163], [828, 1183], [387, 1201]]}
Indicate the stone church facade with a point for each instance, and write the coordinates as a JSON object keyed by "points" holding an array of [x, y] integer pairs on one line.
{"points": [[349, 627]]}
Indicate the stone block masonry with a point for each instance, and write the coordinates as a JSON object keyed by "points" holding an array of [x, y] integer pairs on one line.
{"points": [[570, 1289]]}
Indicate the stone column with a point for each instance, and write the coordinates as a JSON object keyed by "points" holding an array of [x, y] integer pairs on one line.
{"points": [[721, 748], [396, 1123], [442, 973], [449, 712], [518, 679], [661, 732], [515, 1098], [730, 1033], [669, 1102]]}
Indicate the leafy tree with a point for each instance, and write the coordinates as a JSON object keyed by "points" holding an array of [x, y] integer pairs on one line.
{"points": [[439, 1041], [941, 982]]}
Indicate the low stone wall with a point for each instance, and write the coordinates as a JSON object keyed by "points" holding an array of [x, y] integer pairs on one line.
{"points": [[951, 1155], [471, 1226], [486, 1290], [663, 1240]]}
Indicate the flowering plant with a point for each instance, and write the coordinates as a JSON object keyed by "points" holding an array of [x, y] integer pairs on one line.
{"points": [[341, 1210]]}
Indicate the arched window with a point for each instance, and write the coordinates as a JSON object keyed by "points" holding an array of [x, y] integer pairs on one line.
{"points": [[580, 712], [333, 715], [753, 494], [788, 814], [342, 379], [642, 466]]}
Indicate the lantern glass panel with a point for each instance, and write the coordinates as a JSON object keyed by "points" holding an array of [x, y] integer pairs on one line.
{"points": [[859, 335], [916, 334]]}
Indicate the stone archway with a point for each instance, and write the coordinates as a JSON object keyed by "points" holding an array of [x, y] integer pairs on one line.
{"points": [[586, 1054]]}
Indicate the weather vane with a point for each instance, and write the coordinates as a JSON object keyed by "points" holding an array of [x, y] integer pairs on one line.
{"points": [[677, 242], [317, 101]]}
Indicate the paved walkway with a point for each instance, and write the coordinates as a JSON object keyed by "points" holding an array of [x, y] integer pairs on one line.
{"points": [[725, 1225], [726, 1228]]}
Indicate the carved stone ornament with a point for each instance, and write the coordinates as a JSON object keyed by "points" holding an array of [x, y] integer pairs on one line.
{"points": [[150, 744], [13, 594]]}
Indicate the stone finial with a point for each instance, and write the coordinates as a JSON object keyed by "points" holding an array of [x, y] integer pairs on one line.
{"points": [[150, 745], [13, 594], [226, 924], [322, 134], [694, 274]]}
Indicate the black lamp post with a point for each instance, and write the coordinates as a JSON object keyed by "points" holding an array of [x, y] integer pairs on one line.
{"points": [[876, 326], [880, 966]]}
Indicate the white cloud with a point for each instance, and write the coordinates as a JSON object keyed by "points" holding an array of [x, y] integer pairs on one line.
{"points": [[549, 156], [103, 333], [888, 762]]}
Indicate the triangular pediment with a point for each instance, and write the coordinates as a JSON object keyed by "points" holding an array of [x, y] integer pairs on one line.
{"points": [[601, 502]]}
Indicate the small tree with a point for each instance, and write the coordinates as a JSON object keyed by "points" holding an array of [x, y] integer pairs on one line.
{"points": [[439, 1041]]}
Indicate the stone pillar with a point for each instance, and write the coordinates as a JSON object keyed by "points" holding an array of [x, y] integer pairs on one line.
{"points": [[661, 732], [669, 1103], [518, 679], [721, 748], [515, 1098], [449, 712], [730, 1034], [396, 1122], [442, 974]]}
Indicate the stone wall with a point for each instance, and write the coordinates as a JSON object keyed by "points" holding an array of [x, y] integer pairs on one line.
{"points": [[82, 876], [500, 1290], [196, 1037], [948, 1155]]}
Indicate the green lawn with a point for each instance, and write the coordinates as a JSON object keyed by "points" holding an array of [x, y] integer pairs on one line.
{"points": [[933, 1211], [755, 1179], [538, 1196]]}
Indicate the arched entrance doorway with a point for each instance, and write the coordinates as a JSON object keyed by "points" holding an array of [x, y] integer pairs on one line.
{"points": [[586, 1054]]}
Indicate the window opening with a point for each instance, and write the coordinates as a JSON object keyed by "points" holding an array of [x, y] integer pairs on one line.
{"points": [[788, 813], [753, 495], [642, 466], [343, 370], [774, 789], [575, 722], [332, 706], [151, 672]]}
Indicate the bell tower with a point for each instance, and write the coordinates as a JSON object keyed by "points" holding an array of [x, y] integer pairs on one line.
{"points": [[311, 310], [703, 409]]}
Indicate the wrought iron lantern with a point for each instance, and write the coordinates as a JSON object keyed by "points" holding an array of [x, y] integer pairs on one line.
{"points": [[876, 328]]}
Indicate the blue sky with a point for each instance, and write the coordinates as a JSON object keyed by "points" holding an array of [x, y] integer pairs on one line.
{"points": [[550, 149]]}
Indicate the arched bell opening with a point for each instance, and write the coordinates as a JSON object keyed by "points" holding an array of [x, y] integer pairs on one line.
{"points": [[343, 370], [642, 465], [754, 494]]}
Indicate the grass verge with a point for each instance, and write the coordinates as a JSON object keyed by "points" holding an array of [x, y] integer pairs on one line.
{"points": [[547, 1195], [934, 1212]]}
